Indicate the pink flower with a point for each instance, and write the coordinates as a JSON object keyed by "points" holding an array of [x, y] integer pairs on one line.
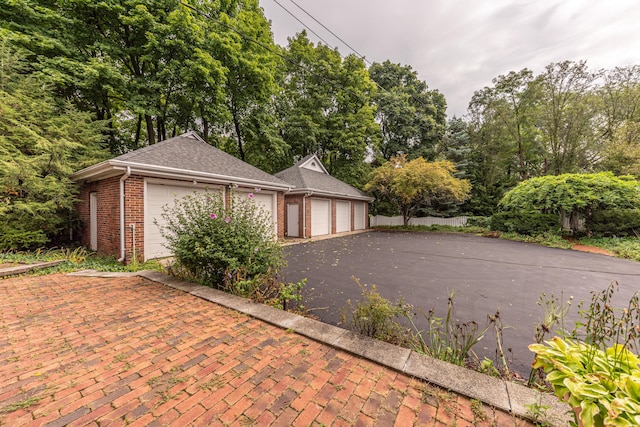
{"points": [[213, 216], [227, 219], [251, 195], [258, 190]]}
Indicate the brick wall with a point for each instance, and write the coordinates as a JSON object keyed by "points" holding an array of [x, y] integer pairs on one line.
{"points": [[133, 214], [281, 213], [108, 215]]}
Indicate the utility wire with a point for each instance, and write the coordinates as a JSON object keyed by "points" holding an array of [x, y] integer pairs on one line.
{"points": [[274, 51], [300, 21], [331, 32], [284, 57]]}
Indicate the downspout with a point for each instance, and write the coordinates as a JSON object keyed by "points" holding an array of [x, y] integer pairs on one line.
{"points": [[123, 252], [304, 214]]}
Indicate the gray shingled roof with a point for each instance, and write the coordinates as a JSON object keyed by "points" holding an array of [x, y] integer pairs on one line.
{"points": [[308, 180], [189, 153]]}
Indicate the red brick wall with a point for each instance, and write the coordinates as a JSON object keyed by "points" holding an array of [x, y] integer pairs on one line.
{"points": [[108, 215], [281, 214], [108, 196], [133, 214]]}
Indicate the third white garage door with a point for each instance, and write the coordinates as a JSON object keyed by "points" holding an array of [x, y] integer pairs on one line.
{"points": [[320, 217], [343, 217], [359, 220]]}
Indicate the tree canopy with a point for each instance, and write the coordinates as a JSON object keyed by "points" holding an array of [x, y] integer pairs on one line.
{"points": [[414, 184], [42, 141], [412, 117]]}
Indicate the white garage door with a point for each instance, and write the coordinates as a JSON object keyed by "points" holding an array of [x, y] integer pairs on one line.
{"points": [[343, 217], [358, 216], [157, 196], [320, 217]]}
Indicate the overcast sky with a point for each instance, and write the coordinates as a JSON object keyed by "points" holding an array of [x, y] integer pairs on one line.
{"points": [[459, 46]]}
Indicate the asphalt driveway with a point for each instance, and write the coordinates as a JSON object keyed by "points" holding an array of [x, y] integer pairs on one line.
{"points": [[487, 275]]}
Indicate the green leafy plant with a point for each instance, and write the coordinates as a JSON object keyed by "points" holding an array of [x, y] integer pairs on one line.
{"points": [[378, 317], [583, 376], [215, 243], [592, 367], [447, 338]]}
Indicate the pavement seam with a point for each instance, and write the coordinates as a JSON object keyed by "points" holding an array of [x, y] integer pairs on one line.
{"points": [[293, 320]]}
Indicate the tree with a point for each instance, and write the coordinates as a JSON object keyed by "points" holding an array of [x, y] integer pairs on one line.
{"points": [[42, 141], [415, 184], [412, 118], [574, 194], [565, 117], [325, 108], [508, 110], [619, 120]]}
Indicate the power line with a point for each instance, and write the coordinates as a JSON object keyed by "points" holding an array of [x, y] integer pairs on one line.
{"points": [[295, 64], [300, 21], [331, 32], [275, 52]]}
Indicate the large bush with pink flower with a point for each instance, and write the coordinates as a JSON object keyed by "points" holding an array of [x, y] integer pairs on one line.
{"points": [[220, 245]]}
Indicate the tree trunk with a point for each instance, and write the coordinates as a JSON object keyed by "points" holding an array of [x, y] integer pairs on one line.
{"points": [[236, 124], [205, 130], [136, 141], [150, 133]]}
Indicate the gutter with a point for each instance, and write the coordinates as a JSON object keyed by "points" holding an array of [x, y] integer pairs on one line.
{"points": [[169, 172], [122, 239], [304, 213]]}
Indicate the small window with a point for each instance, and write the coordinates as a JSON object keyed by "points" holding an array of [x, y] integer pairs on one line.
{"points": [[313, 164]]}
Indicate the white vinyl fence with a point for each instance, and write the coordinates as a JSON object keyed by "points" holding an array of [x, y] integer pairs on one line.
{"points": [[458, 221]]}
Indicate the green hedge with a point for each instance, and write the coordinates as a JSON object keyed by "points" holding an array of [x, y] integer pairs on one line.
{"points": [[523, 222], [618, 222]]}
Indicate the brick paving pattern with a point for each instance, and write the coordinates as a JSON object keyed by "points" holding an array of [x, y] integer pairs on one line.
{"points": [[106, 352]]}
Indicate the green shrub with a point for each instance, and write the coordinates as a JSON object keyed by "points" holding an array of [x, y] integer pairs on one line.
{"points": [[614, 222], [525, 222], [215, 243], [593, 367], [479, 221], [377, 317], [447, 338]]}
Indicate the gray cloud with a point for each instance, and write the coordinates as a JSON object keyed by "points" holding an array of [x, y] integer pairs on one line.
{"points": [[459, 46]]}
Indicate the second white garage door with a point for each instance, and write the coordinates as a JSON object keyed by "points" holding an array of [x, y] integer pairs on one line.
{"points": [[266, 201], [320, 217], [343, 217]]}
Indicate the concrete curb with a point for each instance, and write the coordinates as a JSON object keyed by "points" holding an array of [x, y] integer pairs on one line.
{"points": [[20, 269], [506, 396]]}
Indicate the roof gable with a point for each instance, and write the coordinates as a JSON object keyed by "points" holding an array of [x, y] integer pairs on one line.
{"points": [[307, 179], [312, 162], [185, 155]]}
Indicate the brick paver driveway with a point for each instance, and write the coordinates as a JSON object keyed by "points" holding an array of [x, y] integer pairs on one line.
{"points": [[95, 351]]}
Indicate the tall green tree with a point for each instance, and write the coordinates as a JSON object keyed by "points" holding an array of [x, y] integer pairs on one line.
{"points": [[412, 118], [326, 108], [565, 116], [619, 119], [250, 86], [42, 141], [508, 110]]}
